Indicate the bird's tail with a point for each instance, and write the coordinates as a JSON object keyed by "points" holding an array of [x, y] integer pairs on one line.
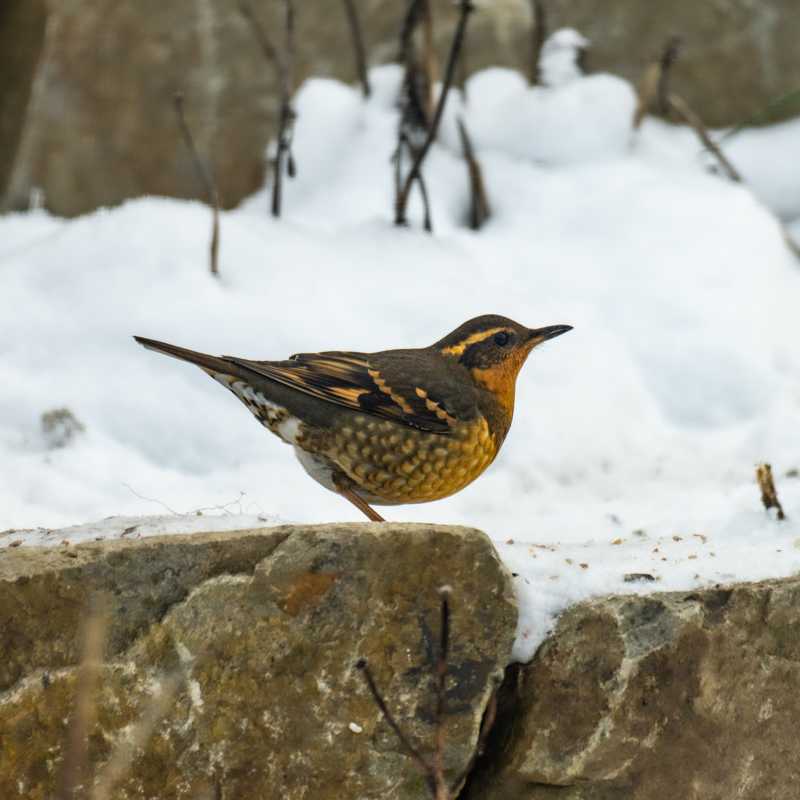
{"points": [[212, 364]]}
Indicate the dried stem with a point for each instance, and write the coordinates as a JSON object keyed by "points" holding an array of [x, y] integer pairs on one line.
{"points": [[479, 203], [442, 792], [425, 767], [267, 47], [683, 111], [465, 7], [653, 89], [284, 65], [793, 246], [769, 497], [358, 45], [75, 773], [538, 35], [128, 746], [206, 178], [287, 116], [668, 58], [434, 770], [429, 65]]}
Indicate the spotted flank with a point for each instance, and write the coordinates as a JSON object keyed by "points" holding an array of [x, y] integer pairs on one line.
{"points": [[272, 416]]}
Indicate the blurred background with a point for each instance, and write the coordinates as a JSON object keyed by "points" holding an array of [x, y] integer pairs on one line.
{"points": [[86, 87], [625, 167]]}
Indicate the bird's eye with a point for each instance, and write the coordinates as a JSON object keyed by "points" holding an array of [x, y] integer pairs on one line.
{"points": [[501, 339]]}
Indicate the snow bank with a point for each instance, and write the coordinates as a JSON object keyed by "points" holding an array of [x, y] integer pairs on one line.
{"points": [[635, 438]]}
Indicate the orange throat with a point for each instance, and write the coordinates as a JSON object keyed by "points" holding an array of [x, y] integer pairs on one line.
{"points": [[501, 381]]}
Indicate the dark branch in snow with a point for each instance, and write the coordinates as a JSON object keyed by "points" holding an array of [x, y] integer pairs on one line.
{"points": [[654, 91], [479, 210], [769, 497], [538, 35], [358, 45], [465, 7], [284, 65], [206, 178], [668, 58], [684, 112]]}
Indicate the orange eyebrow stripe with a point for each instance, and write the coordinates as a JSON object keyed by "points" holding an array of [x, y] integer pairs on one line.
{"points": [[458, 349]]}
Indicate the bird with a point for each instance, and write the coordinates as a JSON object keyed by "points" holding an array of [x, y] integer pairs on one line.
{"points": [[389, 427]]}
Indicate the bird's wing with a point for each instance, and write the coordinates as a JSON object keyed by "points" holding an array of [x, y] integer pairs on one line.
{"points": [[355, 381]]}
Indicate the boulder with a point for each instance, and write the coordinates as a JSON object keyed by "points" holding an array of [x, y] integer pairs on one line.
{"points": [[86, 115], [688, 695], [257, 633]]}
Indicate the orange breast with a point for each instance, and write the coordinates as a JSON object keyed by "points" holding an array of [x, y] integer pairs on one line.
{"points": [[391, 463]]}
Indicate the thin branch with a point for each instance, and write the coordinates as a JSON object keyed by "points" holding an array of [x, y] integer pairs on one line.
{"points": [[466, 7], [284, 65], [129, 745], [442, 791], [769, 497], [538, 35], [479, 202], [422, 762], [287, 115], [793, 246], [206, 178], [75, 772], [429, 65], [668, 58], [358, 45], [683, 111], [653, 89], [265, 43]]}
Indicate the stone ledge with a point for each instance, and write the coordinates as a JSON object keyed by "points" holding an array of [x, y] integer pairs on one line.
{"points": [[690, 695], [264, 629]]}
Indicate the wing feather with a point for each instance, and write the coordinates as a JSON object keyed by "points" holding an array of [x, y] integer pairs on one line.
{"points": [[351, 381]]}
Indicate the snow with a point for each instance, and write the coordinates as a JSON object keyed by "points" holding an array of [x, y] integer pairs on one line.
{"points": [[635, 436]]}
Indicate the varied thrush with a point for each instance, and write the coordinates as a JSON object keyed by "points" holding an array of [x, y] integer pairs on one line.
{"points": [[398, 426]]}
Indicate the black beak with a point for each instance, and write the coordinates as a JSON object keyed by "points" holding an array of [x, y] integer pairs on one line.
{"points": [[538, 335]]}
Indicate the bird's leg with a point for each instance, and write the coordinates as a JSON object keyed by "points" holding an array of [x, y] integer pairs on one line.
{"points": [[362, 505], [359, 502]]}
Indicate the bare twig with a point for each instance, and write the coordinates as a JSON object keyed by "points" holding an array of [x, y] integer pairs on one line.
{"points": [[654, 91], [465, 7], [479, 203], [267, 47], [769, 497], [682, 109], [75, 773], [668, 58], [206, 178], [429, 65], [538, 35], [128, 746], [284, 65], [433, 770], [424, 765], [358, 45], [789, 239], [653, 88], [287, 115]]}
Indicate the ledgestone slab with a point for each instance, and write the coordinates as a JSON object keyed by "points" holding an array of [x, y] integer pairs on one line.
{"points": [[689, 695], [263, 629]]}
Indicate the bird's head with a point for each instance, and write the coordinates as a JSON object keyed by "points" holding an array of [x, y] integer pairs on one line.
{"points": [[493, 349]]}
